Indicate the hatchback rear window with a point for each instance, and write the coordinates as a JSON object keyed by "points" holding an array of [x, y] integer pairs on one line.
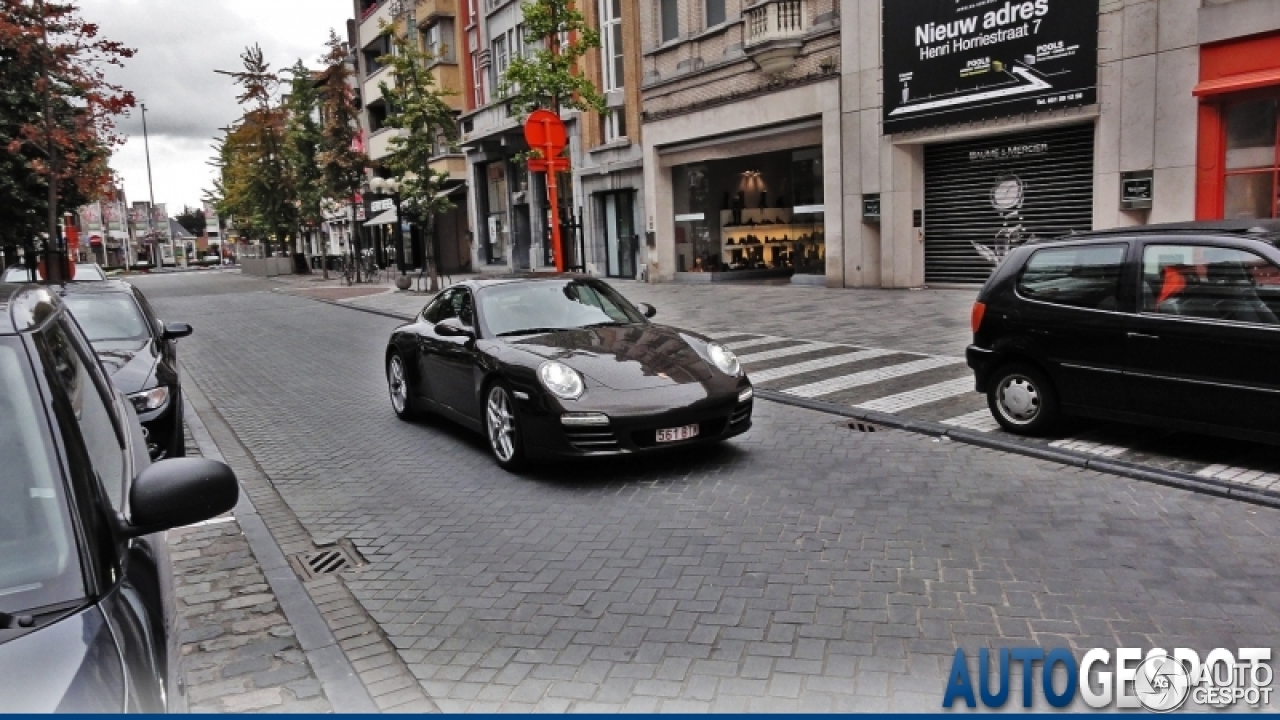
{"points": [[1084, 277]]}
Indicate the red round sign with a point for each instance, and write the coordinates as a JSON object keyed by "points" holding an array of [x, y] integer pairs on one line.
{"points": [[545, 130]]}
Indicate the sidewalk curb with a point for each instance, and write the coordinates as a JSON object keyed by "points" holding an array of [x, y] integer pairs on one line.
{"points": [[1133, 471], [342, 686], [349, 306]]}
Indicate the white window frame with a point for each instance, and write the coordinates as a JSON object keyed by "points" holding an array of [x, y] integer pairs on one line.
{"points": [[615, 120], [608, 53], [499, 57]]}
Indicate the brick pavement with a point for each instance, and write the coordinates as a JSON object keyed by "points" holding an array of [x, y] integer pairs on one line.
{"points": [[805, 566], [239, 650]]}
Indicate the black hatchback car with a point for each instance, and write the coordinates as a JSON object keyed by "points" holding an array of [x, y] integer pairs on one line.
{"points": [[139, 351], [87, 621], [1175, 326]]}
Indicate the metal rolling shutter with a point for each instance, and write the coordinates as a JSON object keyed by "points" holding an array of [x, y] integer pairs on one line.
{"points": [[961, 205]]}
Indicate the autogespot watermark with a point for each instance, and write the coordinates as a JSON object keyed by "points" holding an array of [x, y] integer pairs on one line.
{"points": [[1159, 680]]}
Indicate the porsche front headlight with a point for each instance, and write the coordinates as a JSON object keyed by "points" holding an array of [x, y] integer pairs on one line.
{"points": [[724, 359], [561, 380]]}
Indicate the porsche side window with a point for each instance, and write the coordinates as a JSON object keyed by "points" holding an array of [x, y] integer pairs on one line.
{"points": [[462, 308], [1084, 277], [74, 377], [441, 308], [1211, 283]]}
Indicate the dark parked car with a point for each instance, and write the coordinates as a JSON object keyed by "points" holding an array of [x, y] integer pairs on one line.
{"points": [[1175, 326], [563, 366], [87, 620], [85, 272], [139, 351]]}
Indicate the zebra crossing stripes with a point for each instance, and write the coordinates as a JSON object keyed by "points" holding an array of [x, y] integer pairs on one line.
{"points": [[979, 420], [766, 340], [785, 352], [868, 377], [920, 396], [809, 366]]}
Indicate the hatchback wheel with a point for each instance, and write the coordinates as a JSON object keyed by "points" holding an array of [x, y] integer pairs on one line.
{"points": [[1022, 400], [502, 428], [398, 387]]}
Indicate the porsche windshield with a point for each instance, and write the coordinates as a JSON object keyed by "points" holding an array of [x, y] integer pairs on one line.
{"points": [[535, 307], [39, 565]]}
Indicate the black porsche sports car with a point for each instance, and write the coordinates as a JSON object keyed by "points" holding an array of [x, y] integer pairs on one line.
{"points": [[550, 366], [139, 352]]}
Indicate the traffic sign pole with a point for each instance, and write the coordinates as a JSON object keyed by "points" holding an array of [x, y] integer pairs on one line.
{"points": [[545, 132]]}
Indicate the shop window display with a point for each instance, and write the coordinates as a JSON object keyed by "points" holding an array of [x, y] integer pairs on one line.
{"points": [[761, 214]]}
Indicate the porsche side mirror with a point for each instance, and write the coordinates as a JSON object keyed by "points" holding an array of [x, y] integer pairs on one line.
{"points": [[647, 309], [453, 328], [173, 331], [182, 491]]}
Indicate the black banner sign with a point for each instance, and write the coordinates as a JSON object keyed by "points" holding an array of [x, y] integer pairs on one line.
{"points": [[954, 61]]}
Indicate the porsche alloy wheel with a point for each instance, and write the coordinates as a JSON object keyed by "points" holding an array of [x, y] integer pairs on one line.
{"points": [[501, 427], [398, 387]]}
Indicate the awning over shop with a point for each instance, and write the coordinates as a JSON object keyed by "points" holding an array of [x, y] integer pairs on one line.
{"points": [[1238, 83]]}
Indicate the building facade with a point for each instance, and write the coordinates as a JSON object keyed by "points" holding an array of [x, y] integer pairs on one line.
{"points": [[433, 25]]}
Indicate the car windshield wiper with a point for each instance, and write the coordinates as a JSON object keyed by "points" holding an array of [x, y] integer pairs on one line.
{"points": [[533, 331]]}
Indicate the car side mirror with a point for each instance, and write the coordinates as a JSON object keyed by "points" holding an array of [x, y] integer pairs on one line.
{"points": [[647, 310], [173, 493], [453, 328], [173, 331]]}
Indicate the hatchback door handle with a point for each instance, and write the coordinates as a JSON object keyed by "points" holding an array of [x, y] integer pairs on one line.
{"points": [[1142, 336]]}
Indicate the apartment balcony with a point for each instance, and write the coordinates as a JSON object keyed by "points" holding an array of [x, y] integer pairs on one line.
{"points": [[372, 19], [430, 9], [455, 166], [774, 33], [379, 145]]}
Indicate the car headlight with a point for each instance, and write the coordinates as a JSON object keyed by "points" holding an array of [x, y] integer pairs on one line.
{"points": [[149, 400], [561, 380], [724, 359]]}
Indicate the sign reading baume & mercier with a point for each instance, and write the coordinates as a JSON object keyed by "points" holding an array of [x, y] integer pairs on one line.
{"points": [[954, 61]]}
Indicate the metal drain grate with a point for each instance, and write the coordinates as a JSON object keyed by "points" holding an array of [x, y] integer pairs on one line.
{"points": [[322, 562], [861, 426]]}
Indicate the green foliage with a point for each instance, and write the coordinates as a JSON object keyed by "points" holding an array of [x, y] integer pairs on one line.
{"points": [[417, 107], [341, 164], [303, 140], [255, 182], [549, 77], [192, 220]]}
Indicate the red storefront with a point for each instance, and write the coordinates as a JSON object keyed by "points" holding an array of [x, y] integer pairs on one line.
{"points": [[1238, 164]]}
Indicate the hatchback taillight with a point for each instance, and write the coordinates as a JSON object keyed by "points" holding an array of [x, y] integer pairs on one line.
{"points": [[979, 310]]}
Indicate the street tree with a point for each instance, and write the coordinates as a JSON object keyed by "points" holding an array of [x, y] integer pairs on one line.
{"points": [[428, 129], [341, 157], [57, 114], [256, 185], [550, 77], [303, 139], [191, 219]]}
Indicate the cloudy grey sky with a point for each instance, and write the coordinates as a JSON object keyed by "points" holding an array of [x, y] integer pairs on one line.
{"points": [[180, 43]]}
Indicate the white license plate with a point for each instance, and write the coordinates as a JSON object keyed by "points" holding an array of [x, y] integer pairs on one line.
{"points": [[678, 434]]}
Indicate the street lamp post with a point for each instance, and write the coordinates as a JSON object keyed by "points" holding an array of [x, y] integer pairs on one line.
{"points": [[151, 191]]}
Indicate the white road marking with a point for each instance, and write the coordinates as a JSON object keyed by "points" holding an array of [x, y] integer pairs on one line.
{"points": [[786, 352], [868, 377], [920, 396], [815, 365], [980, 420], [1089, 447], [766, 340], [214, 521]]}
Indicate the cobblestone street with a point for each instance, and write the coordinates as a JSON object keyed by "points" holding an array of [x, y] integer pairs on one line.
{"points": [[805, 566]]}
